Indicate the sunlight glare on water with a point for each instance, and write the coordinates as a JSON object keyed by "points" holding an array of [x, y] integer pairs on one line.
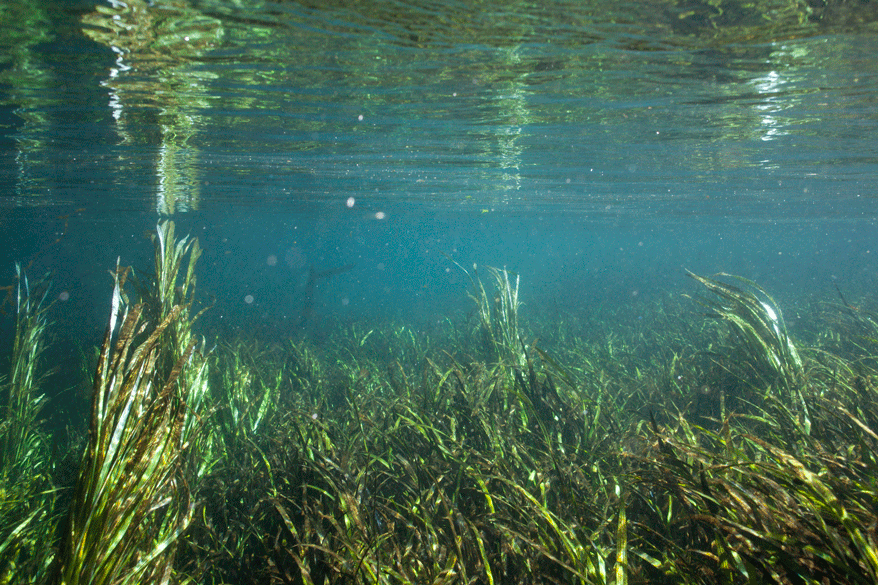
{"points": [[636, 108]]}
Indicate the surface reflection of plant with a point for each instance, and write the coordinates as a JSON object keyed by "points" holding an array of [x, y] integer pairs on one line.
{"points": [[156, 46], [28, 83]]}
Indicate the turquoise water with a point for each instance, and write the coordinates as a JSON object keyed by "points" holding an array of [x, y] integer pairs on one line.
{"points": [[595, 150], [346, 167]]}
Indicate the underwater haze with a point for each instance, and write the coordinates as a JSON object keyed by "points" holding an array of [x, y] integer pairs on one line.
{"points": [[595, 149], [376, 188]]}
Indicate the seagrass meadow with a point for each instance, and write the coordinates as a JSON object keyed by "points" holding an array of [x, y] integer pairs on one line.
{"points": [[697, 442]]}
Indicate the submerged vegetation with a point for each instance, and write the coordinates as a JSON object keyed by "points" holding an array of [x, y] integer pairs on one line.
{"points": [[677, 448]]}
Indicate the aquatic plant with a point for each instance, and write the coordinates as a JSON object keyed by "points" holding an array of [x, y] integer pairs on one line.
{"points": [[245, 389], [132, 499], [630, 446], [26, 494], [498, 313], [163, 291], [766, 358], [728, 506], [20, 439]]}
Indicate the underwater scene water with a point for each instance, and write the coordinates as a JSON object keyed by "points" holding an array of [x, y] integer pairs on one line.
{"points": [[438, 292]]}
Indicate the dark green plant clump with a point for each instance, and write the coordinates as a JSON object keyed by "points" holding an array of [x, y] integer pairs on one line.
{"points": [[672, 448]]}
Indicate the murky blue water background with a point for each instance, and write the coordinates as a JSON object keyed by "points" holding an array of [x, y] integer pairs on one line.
{"points": [[596, 149]]}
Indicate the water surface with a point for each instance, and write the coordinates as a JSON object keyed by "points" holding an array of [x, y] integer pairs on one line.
{"points": [[597, 150]]}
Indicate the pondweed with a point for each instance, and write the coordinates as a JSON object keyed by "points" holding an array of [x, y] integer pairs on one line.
{"points": [[133, 497], [627, 447], [26, 492]]}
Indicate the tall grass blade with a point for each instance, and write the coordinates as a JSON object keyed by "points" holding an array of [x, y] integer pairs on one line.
{"points": [[132, 500]]}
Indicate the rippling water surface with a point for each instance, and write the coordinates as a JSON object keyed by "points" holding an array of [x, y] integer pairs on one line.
{"points": [[592, 147]]}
